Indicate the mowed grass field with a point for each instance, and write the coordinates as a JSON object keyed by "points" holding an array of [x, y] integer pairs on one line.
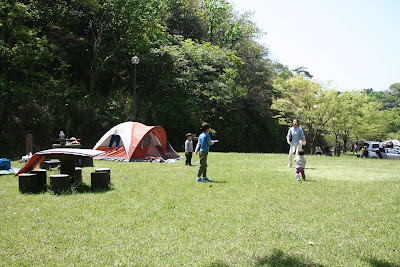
{"points": [[253, 214]]}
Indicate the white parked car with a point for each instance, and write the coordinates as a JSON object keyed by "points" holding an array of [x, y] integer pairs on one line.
{"points": [[390, 153], [371, 148]]}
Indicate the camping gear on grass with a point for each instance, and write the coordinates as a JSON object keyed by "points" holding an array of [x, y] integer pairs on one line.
{"points": [[9, 171], [5, 164]]}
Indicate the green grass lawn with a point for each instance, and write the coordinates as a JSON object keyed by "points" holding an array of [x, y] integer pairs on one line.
{"points": [[253, 214]]}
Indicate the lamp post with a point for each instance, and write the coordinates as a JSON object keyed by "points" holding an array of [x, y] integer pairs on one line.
{"points": [[135, 61]]}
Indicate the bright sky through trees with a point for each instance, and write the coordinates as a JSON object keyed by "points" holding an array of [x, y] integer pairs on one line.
{"points": [[353, 43]]}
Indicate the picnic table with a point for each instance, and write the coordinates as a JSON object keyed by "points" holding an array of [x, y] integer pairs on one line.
{"points": [[66, 156], [66, 146]]}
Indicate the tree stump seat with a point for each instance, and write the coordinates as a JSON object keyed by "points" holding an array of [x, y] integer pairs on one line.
{"points": [[60, 183], [100, 179], [28, 182], [41, 178], [77, 178], [103, 170]]}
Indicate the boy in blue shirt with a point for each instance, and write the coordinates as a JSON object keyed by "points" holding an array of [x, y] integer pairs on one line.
{"points": [[203, 145]]}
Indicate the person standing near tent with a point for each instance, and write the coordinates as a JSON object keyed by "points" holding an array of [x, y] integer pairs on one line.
{"points": [[296, 139], [203, 147], [188, 149], [114, 138]]}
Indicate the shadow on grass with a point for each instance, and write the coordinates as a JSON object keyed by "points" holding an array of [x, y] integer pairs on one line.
{"points": [[218, 182], [218, 264], [83, 188], [381, 263], [277, 258], [80, 188], [280, 258]]}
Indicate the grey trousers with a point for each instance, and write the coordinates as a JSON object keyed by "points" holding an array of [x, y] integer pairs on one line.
{"points": [[294, 149], [203, 164]]}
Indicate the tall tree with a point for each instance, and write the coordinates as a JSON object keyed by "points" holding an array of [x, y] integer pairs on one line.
{"points": [[121, 29], [307, 101], [187, 18], [29, 66], [217, 15], [348, 113], [199, 85], [392, 96], [62, 60]]}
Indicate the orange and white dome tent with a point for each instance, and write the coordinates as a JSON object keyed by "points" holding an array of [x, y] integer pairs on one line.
{"points": [[137, 142]]}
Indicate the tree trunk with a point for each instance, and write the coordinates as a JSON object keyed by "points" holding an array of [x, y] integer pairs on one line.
{"points": [[336, 144], [345, 140], [313, 144]]}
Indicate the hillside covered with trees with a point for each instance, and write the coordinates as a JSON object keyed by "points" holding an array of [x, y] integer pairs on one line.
{"points": [[66, 65]]}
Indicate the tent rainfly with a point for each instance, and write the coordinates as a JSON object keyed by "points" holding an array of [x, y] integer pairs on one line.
{"points": [[134, 141]]}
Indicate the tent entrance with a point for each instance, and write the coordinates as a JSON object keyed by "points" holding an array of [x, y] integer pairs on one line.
{"points": [[149, 147]]}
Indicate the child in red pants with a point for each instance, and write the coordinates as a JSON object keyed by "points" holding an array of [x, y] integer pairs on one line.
{"points": [[300, 164]]}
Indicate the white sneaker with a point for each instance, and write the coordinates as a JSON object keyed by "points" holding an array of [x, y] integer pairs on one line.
{"points": [[289, 166]]}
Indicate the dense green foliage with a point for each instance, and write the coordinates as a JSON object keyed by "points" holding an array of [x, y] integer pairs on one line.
{"points": [[254, 214], [65, 65], [336, 118]]}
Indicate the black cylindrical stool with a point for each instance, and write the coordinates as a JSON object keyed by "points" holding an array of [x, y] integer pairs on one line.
{"points": [[59, 182], [107, 170], [100, 180], [27, 182], [77, 179], [41, 178], [103, 170]]}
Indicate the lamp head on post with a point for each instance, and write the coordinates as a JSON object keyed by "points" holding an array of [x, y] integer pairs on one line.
{"points": [[135, 60]]}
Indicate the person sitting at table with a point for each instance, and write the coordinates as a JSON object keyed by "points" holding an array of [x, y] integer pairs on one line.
{"points": [[318, 151]]}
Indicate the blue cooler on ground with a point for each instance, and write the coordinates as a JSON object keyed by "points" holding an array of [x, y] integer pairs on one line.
{"points": [[5, 164]]}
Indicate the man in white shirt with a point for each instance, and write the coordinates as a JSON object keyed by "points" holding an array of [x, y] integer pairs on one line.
{"points": [[296, 139]]}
